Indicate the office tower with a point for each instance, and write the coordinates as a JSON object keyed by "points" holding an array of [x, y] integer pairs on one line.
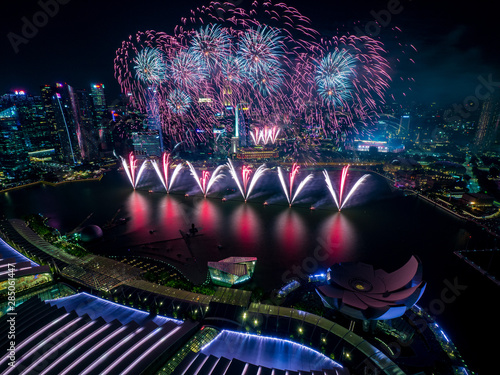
{"points": [[99, 100], [32, 118], [71, 116], [57, 103], [13, 144], [102, 117], [85, 117], [67, 122], [147, 143], [153, 112], [404, 127], [487, 126]]}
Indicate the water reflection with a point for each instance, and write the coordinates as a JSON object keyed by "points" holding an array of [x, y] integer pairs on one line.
{"points": [[337, 234], [139, 211], [290, 232], [171, 216], [246, 226], [207, 217]]}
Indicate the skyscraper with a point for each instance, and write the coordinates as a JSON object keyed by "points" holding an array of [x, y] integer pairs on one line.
{"points": [[404, 127], [487, 126], [86, 119], [59, 117], [153, 112], [13, 144], [72, 116], [101, 118], [147, 143], [32, 118], [67, 123], [99, 100]]}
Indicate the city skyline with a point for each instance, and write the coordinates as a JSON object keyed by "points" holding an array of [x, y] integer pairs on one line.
{"points": [[455, 45]]}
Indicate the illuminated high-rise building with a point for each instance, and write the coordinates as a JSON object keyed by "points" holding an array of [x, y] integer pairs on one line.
{"points": [[153, 112], [487, 126], [99, 99], [147, 143], [85, 117], [58, 102], [31, 117], [101, 117], [67, 121], [404, 127], [71, 116], [13, 144]]}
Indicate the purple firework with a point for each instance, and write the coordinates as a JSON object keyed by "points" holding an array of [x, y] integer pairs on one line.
{"points": [[211, 46], [259, 49], [178, 102], [186, 70], [334, 77], [150, 66], [264, 54]]}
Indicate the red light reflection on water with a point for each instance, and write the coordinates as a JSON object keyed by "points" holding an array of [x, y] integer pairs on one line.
{"points": [[172, 217], [338, 235], [207, 217], [290, 232], [246, 226], [139, 211]]}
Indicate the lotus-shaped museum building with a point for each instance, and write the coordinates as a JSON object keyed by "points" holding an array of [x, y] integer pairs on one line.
{"points": [[362, 292]]}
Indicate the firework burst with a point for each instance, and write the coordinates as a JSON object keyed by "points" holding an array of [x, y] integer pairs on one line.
{"points": [[178, 102], [265, 54], [150, 66], [186, 70], [259, 49], [211, 45], [334, 77]]}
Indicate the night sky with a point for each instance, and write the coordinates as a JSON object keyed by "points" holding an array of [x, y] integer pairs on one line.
{"points": [[456, 42]]}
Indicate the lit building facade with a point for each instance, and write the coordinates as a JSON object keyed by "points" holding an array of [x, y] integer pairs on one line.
{"points": [[147, 143], [404, 126], [362, 292], [232, 270], [257, 154], [13, 144], [487, 127], [31, 115], [71, 118], [26, 276], [60, 105], [99, 99], [102, 119], [85, 116]]}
